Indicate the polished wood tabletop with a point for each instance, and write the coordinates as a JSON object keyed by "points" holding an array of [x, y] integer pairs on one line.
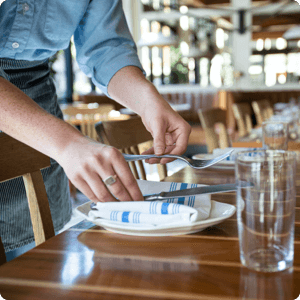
{"points": [[88, 262]]}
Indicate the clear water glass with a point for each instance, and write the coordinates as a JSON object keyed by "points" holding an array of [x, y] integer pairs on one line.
{"points": [[275, 135], [266, 209]]}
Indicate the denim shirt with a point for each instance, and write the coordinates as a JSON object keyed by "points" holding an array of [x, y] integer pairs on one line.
{"points": [[34, 30]]}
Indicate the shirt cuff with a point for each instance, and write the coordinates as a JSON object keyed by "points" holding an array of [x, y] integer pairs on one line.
{"points": [[102, 77]]}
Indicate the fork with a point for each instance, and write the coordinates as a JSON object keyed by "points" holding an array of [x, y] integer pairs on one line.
{"points": [[194, 163]]}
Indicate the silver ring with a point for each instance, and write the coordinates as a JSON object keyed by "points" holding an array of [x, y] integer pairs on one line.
{"points": [[110, 180]]}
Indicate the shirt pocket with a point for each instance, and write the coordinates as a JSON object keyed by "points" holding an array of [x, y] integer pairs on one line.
{"points": [[63, 17]]}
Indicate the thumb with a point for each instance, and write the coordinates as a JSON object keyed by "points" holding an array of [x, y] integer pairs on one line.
{"points": [[159, 142]]}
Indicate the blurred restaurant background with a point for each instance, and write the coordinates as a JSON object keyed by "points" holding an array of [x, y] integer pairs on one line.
{"points": [[204, 54]]}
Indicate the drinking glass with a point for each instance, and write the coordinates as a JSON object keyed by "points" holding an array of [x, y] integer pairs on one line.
{"points": [[275, 135], [266, 208]]}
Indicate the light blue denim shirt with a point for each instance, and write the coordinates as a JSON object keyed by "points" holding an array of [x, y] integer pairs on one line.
{"points": [[34, 30]]}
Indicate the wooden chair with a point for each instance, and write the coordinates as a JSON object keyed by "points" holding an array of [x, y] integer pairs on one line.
{"points": [[18, 159], [130, 136], [262, 110], [95, 97], [243, 115], [87, 117], [209, 120]]}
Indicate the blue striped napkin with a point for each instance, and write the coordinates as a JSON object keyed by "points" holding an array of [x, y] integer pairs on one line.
{"points": [[174, 210]]}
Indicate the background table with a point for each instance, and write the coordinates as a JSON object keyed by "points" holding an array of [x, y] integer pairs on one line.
{"points": [[97, 264]]}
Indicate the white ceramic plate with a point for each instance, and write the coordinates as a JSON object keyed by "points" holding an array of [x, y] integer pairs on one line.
{"points": [[219, 212], [224, 164]]}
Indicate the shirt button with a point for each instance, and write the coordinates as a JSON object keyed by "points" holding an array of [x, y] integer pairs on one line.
{"points": [[15, 45], [25, 7]]}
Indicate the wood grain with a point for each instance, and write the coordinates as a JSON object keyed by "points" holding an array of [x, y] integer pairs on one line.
{"points": [[98, 264], [19, 158], [39, 207]]}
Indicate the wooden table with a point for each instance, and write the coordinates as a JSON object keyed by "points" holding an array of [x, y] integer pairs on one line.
{"points": [[93, 263]]}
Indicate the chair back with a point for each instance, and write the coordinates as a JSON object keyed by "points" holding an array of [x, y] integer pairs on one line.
{"points": [[18, 159], [131, 137], [209, 120], [262, 110], [95, 97], [243, 115], [87, 117]]}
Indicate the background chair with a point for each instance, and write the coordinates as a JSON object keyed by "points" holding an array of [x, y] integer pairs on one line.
{"points": [[95, 97], [262, 110], [18, 159], [243, 115], [85, 117], [131, 137], [212, 120]]}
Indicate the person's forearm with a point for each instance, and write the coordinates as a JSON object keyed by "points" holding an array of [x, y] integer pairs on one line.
{"points": [[130, 88], [26, 121]]}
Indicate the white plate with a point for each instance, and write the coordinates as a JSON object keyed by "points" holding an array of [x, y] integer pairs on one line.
{"points": [[219, 212], [224, 164]]}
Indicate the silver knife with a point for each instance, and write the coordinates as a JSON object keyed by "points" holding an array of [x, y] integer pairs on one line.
{"points": [[208, 189]]}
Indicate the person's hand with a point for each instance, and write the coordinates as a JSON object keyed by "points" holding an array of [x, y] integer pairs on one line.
{"points": [[169, 130], [88, 163]]}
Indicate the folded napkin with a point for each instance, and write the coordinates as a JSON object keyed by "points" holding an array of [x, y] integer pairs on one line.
{"points": [[174, 210], [234, 153]]}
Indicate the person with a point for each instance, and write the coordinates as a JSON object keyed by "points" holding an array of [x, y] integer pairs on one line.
{"points": [[31, 32]]}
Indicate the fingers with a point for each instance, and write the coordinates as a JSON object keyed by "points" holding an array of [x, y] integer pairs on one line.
{"points": [[125, 188], [91, 185], [159, 143], [91, 173]]}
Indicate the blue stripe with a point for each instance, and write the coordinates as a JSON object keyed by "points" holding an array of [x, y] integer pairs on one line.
{"points": [[170, 190], [113, 215], [138, 217], [183, 186], [125, 216], [164, 208]]}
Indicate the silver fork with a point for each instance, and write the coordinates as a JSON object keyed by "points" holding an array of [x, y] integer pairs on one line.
{"points": [[194, 163]]}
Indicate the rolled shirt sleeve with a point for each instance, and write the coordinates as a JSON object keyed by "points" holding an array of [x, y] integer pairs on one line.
{"points": [[103, 42]]}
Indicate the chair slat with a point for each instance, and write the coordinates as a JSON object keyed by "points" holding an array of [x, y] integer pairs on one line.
{"points": [[39, 207], [135, 150], [209, 119], [132, 164], [128, 134]]}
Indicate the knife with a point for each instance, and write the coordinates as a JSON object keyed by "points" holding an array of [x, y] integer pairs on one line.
{"points": [[208, 189]]}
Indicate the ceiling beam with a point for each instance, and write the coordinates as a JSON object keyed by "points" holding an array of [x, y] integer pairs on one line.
{"points": [[278, 20], [267, 34]]}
